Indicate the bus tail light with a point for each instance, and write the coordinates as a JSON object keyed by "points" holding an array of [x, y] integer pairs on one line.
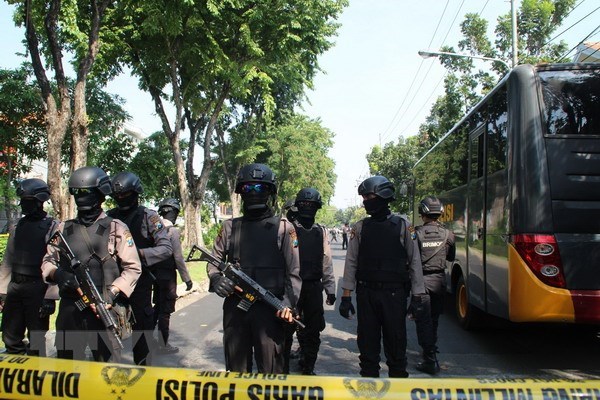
{"points": [[541, 255]]}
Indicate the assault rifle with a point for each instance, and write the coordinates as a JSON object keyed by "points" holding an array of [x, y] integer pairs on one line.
{"points": [[89, 294], [249, 291]]}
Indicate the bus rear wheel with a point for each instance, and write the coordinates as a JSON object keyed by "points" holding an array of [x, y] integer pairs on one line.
{"points": [[468, 315]]}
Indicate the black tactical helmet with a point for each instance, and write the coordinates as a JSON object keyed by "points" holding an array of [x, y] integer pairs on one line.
{"points": [[126, 182], [255, 173], [309, 194], [33, 188], [431, 206], [89, 178], [378, 185], [170, 202]]}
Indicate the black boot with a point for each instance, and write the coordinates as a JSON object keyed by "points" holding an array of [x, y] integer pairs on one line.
{"points": [[430, 364]]}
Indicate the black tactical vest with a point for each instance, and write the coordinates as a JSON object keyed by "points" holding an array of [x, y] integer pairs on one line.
{"points": [[432, 243], [311, 252], [103, 268], [165, 269], [382, 256], [134, 220], [259, 256], [29, 246]]}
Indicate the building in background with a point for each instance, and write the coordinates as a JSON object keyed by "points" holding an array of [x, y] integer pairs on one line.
{"points": [[588, 52]]}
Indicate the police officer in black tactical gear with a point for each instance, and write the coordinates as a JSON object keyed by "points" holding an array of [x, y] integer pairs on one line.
{"points": [[437, 246], [266, 247], [165, 286], [104, 245], [316, 271], [290, 210], [27, 301], [153, 244], [382, 265]]}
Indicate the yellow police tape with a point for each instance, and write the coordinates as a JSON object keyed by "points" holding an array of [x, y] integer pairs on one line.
{"points": [[24, 377]]}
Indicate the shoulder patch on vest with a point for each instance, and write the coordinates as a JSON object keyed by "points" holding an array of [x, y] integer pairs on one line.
{"points": [[156, 222], [294, 237], [128, 238], [413, 234], [352, 233]]}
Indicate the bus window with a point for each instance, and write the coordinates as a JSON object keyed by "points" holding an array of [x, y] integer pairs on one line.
{"points": [[571, 101]]}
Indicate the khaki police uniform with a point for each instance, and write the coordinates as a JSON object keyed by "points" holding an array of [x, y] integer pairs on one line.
{"points": [[153, 244], [165, 287], [381, 305], [77, 329], [258, 329], [23, 287]]}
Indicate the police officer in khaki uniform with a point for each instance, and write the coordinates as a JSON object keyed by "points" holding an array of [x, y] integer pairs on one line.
{"points": [[316, 271], [153, 244], [266, 247], [28, 301], [382, 265], [105, 245], [165, 286], [437, 245]]}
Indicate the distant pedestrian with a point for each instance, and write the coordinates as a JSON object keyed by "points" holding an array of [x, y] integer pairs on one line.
{"points": [[345, 232]]}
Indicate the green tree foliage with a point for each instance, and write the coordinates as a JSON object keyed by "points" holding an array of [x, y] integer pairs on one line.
{"points": [[206, 57], [153, 163], [297, 151], [395, 162], [21, 131]]}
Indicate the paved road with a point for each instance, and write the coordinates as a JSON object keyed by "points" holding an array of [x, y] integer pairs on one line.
{"points": [[508, 350]]}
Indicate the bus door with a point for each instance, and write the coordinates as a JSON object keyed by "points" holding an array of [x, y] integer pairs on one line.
{"points": [[475, 274]]}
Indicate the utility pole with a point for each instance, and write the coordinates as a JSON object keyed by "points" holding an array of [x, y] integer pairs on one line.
{"points": [[513, 11]]}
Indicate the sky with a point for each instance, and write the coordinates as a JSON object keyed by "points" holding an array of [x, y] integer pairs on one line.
{"points": [[375, 88]]}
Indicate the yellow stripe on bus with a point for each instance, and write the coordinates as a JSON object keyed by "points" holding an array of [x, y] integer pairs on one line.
{"points": [[530, 300], [24, 377]]}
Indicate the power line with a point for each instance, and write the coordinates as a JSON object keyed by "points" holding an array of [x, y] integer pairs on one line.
{"points": [[581, 42], [387, 130]]}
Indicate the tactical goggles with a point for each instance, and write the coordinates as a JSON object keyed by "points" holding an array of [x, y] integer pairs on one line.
{"points": [[80, 191], [257, 187]]}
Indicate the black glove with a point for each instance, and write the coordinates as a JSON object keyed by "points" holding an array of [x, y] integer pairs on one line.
{"points": [[330, 299], [419, 306], [188, 285], [47, 308], [65, 280], [346, 308], [222, 285]]}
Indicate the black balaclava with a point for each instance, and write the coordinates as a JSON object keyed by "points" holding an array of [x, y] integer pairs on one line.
{"points": [[128, 202], [89, 206], [256, 205], [169, 213], [377, 207], [32, 208], [306, 213]]}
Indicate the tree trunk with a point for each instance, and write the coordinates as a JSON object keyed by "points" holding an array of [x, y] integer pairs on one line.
{"points": [[80, 138]]}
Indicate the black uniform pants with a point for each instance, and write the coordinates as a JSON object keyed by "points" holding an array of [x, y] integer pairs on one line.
{"points": [[141, 305], [257, 331], [165, 296], [21, 312], [381, 312], [311, 309], [76, 330], [435, 284], [344, 241]]}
